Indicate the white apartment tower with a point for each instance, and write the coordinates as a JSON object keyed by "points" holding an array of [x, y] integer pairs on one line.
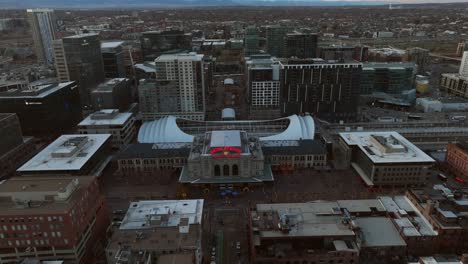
{"points": [[464, 64], [179, 88], [43, 29]]}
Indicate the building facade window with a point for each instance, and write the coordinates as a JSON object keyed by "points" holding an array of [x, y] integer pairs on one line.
{"points": [[235, 170], [226, 170]]}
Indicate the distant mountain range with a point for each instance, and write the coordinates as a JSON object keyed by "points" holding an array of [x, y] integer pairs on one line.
{"points": [[21, 4], [85, 4]]}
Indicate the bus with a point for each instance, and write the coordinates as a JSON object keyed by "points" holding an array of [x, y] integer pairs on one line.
{"points": [[443, 177], [415, 117], [458, 118]]}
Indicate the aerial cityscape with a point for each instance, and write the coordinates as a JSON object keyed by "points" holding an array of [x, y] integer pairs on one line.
{"points": [[239, 131]]}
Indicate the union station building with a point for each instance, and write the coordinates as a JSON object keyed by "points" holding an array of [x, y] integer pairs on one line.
{"points": [[231, 152]]}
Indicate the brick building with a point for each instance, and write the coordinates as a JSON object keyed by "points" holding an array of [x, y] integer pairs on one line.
{"points": [[446, 210], [457, 159], [50, 218]]}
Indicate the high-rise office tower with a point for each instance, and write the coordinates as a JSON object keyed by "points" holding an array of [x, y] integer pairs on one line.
{"points": [[464, 64], [275, 40], [179, 88], [43, 29], [263, 84], [44, 109], [328, 90], [251, 41], [113, 58], [155, 43], [300, 45], [78, 58]]}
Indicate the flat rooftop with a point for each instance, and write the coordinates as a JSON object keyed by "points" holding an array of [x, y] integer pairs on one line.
{"points": [[81, 36], [224, 138], [38, 190], [379, 232], [181, 258], [67, 153], [109, 85], [293, 147], [165, 213], [385, 147], [313, 219], [39, 91], [180, 56], [391, 65], [111, 44], [106, 117]]}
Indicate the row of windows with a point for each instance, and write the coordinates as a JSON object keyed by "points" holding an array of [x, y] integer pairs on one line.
{"points": [[31, 219], [297, 158], [28, 242], [153, 161], [34, 234], [401, 169], [400, 179]]}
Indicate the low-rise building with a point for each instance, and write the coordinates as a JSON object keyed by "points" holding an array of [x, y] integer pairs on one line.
{"points": [[441, 260], [380, 241], [457, 159], [71, 155], [386, 158], [310, 232], [413, 227], [110, 121], [151, 158], [446, 210], [295, 154], [157, 231], [51, 218], [343, 231]]}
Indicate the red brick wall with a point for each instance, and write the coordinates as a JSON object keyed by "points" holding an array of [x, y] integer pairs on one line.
{"points": [[457, 161]]}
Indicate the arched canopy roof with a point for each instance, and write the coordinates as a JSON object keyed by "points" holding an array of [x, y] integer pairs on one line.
{"points": [[166, 130], [300, 127]]}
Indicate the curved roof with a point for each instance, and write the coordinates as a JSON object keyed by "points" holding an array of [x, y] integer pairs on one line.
{"points": [[164, 130], [300, 127]]}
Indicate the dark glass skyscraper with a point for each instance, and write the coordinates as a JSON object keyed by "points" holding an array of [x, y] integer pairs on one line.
{"points": [[300, 45], [328, 90], [113, 58], [79, 59], [44, 110], [275, 39]]}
